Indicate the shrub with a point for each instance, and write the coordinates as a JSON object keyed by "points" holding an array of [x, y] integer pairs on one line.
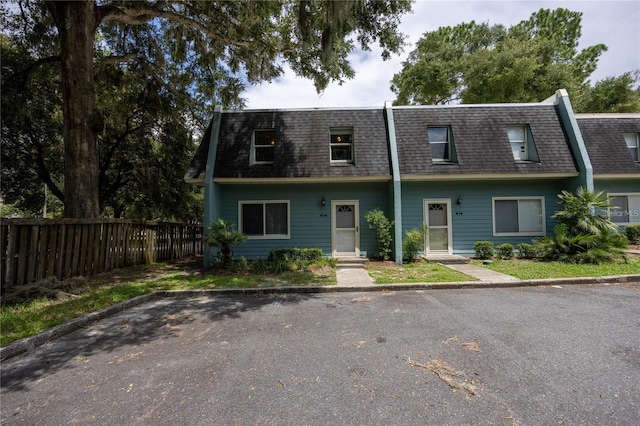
{"points": [[504, 251], [292, 259], [527, 251], [295, 254], [260, 266], [484, 249], [222, 235], [414, 242], [633, 234], [382, 226]]}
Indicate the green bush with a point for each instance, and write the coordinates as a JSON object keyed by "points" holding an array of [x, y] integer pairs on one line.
{"points": [[527, 251], [484, 249], [382, 226], [295, 254], [221, 234], [260, 266], [413, 243], [504, 251], [633, 234]]}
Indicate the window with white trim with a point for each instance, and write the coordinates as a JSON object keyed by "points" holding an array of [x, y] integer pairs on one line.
{"points": [[264, 219], [633, 143], [518, 216], [626, 208], [341, 145], [441, 143], [522, 146], [263, 146]]}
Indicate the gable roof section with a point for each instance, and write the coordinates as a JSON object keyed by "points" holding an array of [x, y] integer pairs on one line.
{"points": [[302, 144], [603, 137], [481, 142], [197, 168]]}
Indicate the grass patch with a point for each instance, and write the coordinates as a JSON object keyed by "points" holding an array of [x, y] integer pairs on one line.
{"points": [[531, 269], [415, 272], [92, 294]]}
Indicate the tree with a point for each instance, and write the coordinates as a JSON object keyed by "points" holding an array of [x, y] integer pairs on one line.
{"points": [[226, 43], [478, 63], [144, 146], [613, 94]]}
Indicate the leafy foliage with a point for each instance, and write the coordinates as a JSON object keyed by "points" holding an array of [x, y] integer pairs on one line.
{"points": [[221, 234], [382, 226], [124, 72], [633, 234], [527, 251], [504, 251], [484, 249], [582, 236], [482, 63], [413, 242]]}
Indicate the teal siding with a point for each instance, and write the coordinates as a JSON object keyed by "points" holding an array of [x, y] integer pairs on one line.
{"points": [[618, 185], [472, 220], [310, 223]]}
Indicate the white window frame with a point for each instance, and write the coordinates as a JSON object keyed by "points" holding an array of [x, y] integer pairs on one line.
{"points": [[447, 142], [255, 147], [522, 144], [635, 144], [518, 234], [265, 236], [342, 131], [632, 212]]}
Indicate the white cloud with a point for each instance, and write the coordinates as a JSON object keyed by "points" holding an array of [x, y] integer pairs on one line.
{"points": [[614, 23]]}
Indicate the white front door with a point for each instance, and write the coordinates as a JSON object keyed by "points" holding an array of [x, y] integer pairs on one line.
{"points": [[345, 228], [437, 217]]}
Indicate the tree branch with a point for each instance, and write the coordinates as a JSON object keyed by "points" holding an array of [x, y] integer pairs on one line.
{"points": [[144, 13]]}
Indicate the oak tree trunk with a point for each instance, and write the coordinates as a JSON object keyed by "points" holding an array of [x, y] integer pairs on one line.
{"points": [[76, 23]]}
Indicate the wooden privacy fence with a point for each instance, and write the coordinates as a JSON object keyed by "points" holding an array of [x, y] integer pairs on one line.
{"points": [[34, 249]]}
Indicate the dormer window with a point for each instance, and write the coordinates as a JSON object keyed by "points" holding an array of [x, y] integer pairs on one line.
{"points": [[342, 145], [441, 143], [522, 146], [263, 146], [633, 144]]}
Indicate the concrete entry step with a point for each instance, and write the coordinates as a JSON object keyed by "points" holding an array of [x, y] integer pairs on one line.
{"points": [[351, 262], [447, 259]]}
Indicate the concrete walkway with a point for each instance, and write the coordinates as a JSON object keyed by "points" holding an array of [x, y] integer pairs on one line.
{"points": [[482, 274], [353, 277], [357, 276]]}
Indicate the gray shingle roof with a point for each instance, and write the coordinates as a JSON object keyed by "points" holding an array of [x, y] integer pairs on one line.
{"points": [[199, 162], [480, 138], [606, 145], [302, 143]]}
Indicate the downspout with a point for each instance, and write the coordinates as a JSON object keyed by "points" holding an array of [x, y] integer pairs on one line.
{"points": [[210, 199], [397, 188], [576, 141]]}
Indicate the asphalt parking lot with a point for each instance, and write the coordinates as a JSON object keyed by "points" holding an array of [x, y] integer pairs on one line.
{"points": [[518, 356]]}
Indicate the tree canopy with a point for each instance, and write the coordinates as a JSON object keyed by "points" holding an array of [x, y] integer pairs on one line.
{"points": [[114, 89], [528, 62]]}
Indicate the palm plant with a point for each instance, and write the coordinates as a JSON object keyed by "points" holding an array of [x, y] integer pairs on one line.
{"points": [[582, 235], [579, 212], [221, 234]]}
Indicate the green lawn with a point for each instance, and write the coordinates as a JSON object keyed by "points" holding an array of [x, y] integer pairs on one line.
{"points": [[417, 272], [529, 269]]}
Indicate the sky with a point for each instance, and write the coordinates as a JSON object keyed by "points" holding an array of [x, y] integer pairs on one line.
{"points": [[614, 23]]}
